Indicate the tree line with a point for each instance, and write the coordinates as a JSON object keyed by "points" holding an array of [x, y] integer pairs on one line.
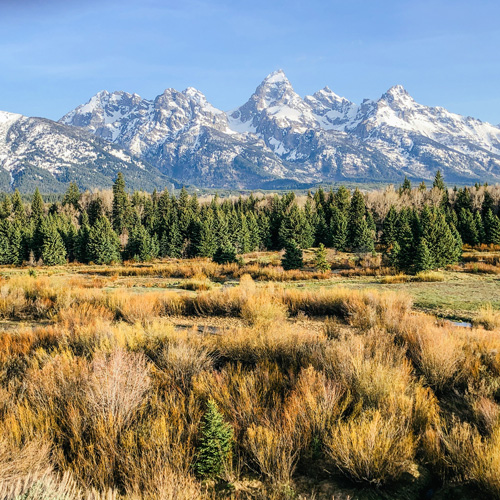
{"points": [[143, 226]]}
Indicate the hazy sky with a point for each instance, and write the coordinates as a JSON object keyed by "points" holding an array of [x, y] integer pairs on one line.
{"points": [[55, 54]]}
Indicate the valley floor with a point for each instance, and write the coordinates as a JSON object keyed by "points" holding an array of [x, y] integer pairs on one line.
{"points": [[335, 385]]}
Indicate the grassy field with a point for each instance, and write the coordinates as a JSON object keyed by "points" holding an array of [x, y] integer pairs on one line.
{"points": [[334, 385]]}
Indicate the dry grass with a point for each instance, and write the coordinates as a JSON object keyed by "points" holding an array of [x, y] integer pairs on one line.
{"points": [[429, 276], [105, 398], [488, 317], [372, 449]]}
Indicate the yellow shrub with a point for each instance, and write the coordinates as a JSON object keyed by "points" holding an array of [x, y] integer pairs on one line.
{"points": [[372, 449]]}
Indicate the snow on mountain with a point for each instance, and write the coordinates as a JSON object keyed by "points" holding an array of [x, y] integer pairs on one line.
{"points": [[278, 134], [36, 151]]}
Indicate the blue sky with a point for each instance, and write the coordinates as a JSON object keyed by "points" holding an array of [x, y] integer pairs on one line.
{"points": [[56, 54]]}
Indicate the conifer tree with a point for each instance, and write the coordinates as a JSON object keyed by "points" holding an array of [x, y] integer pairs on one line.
{"points": [[207, 244], [320, 261], [18, 207], [53, 250], [5, 207], [360, 235], [10, 243], [487, 204], [254, 232], [389, 227], [343, 199], [141, 245], [292, 259], [439, 181], [243, 235], [225, 253], [467, 227], [72, 196], [392, 253], [171, 244], [121, 205], [104, 244], [405, 250], [478, 220], [423, 258], [82, 240], [215, 444], [322, 230], [264, 231], [492, 228], [95, 210], [37, 210], [338, 229], [406, 186]]}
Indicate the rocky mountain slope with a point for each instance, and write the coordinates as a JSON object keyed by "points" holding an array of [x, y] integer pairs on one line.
{"points": [[36, 151], [277, 134], [277, 138]]}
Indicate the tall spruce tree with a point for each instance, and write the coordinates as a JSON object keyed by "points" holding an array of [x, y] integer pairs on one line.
{"points": [[320, 261], [121, 205], [389, 227], [361, 238], [104, 244], [215, 443], [338, 229], [53, 252], [82, 239], [492, 228], [423, 258], [292, 258], [72, 196]]}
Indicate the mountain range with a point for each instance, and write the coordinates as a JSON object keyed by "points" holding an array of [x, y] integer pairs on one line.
{"points": [[277, 138]]}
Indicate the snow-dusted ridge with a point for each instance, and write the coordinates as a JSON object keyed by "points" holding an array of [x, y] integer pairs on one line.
{"points": [[277, 134]]}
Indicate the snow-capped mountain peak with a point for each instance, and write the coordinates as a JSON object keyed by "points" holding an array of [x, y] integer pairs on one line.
{"points": [[278, 133]]}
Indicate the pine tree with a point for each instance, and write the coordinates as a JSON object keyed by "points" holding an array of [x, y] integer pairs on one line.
{"points": [[104, 244], [360, 235], [264, 231], [392, 254], [82, 239], [487, 204], [467, 227], [405, 250], [121, 205], [406, 186], [72, 196], [338, 229], [215, 444], [95, 210], [492, 228], [207, 244], [323, 235], [171, 244], [10, 243], [254, 232], [439, 181], [5, 207], [53, 250], [37, 210], [389, 227], [225, 253], [478, 220], [292, 259], [446, 246], [343, 199], [141, 245], [423, 258], [18, 207], [320, 261]]}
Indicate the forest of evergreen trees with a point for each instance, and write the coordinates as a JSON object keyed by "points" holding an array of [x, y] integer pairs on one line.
{"points": [[423, 229]]}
